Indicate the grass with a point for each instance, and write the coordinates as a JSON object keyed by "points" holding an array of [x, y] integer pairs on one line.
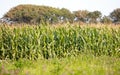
{"points": [[60, 50], [82, 65]]}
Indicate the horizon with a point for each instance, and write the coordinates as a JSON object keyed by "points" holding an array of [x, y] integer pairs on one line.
{"points": [[106, 8]]}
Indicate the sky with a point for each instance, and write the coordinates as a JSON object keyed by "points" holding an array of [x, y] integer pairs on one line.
{"points": [[105, 6]]}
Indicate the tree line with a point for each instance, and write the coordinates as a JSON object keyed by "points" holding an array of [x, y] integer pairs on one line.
{"points": [[34, 14]]}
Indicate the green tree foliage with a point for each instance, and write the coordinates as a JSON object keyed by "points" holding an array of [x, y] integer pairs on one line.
{"points": [[66, 15], [81, 15], [106, 20], [115, 15], [35, 14], [94, 16], [38, 14]]}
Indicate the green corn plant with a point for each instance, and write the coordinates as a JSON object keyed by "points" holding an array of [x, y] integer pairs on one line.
{"points": [[57, 42]]}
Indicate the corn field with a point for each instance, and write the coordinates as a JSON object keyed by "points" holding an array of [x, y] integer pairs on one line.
{"points": [[32, 42]]}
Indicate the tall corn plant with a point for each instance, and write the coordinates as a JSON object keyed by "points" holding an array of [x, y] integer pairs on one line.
{"points": [[51, 42]]}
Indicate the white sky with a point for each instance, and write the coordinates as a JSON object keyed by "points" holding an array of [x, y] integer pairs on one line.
{"points": [[105, 6]]}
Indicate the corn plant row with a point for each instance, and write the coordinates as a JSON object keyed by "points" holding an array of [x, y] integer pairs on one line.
{"points": [[50, 42]]}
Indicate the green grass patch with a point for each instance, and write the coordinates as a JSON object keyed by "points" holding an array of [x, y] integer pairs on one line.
{"points": [[81, 65]]}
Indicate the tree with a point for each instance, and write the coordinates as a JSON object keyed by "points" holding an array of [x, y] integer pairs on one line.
{"points": [[106, 20], [66, 15], [33, 14], [39, 14], [81, 15], [94, 16], [115, 15]]}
